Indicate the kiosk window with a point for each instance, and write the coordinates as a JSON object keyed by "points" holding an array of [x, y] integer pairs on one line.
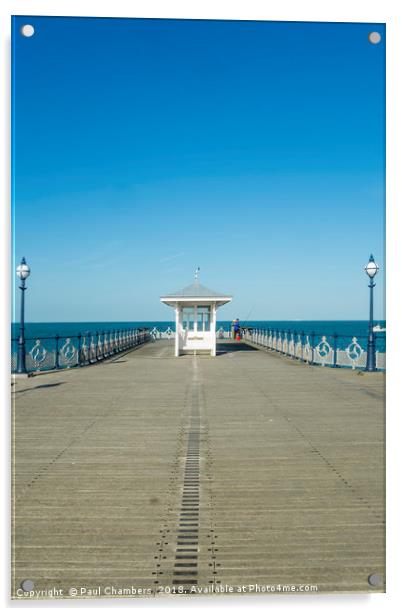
{"points": [[203, 318]]}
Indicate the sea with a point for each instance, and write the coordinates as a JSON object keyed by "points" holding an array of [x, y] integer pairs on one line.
{"points": [[345, 330]]}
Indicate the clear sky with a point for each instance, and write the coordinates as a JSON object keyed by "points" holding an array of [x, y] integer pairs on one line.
{"points": [[146, 148]]}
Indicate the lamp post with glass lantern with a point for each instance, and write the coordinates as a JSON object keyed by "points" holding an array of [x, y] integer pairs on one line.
{"points": [[23, 272], [371, 270]]}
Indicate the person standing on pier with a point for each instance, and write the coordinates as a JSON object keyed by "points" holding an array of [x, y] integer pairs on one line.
{"points": [[236, 329]]}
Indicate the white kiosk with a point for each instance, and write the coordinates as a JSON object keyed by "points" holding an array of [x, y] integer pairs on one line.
{"points": [[195, 307]]}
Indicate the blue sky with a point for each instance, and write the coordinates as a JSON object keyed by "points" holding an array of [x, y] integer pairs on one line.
{"points": [[146, 148]]}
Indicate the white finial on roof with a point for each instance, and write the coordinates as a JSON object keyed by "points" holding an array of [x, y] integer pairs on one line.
{"points": [[196, 274]]}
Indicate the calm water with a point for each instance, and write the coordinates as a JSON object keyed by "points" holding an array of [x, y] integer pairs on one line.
{"points": [[345, 329]]}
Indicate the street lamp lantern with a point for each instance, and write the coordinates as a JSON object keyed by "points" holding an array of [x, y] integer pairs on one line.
{"points": [[23, 271], [371, 270]]}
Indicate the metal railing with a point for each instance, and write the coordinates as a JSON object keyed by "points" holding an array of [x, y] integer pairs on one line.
{"points": [[313, 348], [60, 352]]}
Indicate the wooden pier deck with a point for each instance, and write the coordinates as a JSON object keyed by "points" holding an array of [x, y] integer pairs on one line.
{"points": [[248, 469]]}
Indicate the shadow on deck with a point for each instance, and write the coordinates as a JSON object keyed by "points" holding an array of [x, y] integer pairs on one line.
{"points": [[232, 347]]}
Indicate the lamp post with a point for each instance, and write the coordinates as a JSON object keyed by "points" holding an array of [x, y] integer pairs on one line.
{"points": [[23, 272], [371, 270]]}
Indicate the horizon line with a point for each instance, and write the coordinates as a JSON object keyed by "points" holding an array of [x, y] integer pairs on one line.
{"points": [[172, 320]]}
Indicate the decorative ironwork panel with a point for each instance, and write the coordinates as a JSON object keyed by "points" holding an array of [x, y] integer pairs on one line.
{"points": [[68, 354]]}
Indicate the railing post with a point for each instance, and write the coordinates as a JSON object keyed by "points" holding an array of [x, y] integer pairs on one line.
{"points": [[83, 346], [56, 363], [335, 337], [312, 347], [89, 336], [96, 345], [106, 345], [79, 362], [89, 347], [92, 342], [103, 344]]}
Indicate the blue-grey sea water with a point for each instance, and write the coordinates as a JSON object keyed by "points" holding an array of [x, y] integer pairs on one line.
{"points": [[345, 330]]}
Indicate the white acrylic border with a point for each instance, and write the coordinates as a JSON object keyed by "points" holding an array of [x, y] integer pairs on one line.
{"points": [[287, 10]]}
